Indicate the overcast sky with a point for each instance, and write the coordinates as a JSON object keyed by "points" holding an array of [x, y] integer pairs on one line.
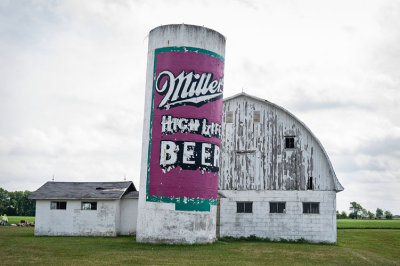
{"points": [[73, 78]]}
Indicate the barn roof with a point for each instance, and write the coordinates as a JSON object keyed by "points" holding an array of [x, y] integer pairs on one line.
{"points": [[83, 190], [338, 186]]}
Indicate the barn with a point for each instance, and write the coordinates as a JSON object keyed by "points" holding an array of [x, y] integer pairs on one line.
{"points": [[276, 180], [86, 208]]}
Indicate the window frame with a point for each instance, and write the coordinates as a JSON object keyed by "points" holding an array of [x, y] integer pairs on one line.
{"points": [[58, 205], [277, 207], [310, 207], [229, 117], [289, 138], [245, 203], [256, 116], [93, 205]]}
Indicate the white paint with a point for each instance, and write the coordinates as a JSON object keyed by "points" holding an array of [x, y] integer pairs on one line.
{"points": [[254, 154], [159, 222], [112, 217], [291, 225], [256, 167], [129, 214]]}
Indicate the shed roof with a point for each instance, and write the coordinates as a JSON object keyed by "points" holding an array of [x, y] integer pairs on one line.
{"points": [[131, 195], [83, 190]]}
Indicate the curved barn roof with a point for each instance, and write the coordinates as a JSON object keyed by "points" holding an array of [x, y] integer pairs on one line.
{"points": [[338, 186]]}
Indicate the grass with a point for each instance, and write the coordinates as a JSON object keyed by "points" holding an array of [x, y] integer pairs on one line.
{"points": [[368, 224], [18, 246], [341, 223], [17, 219]]}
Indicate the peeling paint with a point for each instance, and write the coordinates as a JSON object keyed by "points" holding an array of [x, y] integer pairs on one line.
{"points": [[254, 156]]}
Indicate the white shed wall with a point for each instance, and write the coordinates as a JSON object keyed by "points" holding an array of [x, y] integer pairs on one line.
{"points": [[73, 221], [291, 225], [129, 213]]}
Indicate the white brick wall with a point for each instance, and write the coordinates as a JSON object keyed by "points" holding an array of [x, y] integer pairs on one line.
{"points": [[290, 225]]}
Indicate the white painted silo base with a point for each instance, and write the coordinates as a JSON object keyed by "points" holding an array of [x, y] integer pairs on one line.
{"points": [[175, 227]]}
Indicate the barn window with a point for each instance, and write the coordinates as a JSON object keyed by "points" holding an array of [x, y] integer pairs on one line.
{"points": [[244, 207], [58, 205], [277, 207], [310, 183], [256, 117], [289, 142], [310, 207], [229, 117], [89, 205]]}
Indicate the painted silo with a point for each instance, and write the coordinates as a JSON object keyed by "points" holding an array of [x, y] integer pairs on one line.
{"points": [[181, 135]]}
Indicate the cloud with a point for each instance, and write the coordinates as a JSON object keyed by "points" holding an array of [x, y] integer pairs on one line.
{"points": [[73, 78]]}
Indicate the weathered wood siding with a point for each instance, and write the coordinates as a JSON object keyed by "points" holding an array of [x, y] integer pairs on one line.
{"points": [[254, 155]]}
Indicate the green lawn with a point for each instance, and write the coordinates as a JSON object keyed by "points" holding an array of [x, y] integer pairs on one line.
{"points": [[18, 246], [17, 219], [368, 224], [341, 223]]}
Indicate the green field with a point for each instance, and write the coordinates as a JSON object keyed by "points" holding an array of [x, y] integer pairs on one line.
{"points": [[17, 219], [368, 224], [18, 246], [341, 223]]}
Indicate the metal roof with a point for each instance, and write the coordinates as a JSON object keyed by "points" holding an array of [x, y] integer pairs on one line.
{"points": [[83, 190]]}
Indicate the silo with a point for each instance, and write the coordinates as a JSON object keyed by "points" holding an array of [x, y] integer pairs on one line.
{"points": [[181, 135]]}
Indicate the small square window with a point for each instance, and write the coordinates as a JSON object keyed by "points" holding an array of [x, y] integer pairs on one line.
{"points": [[58, 205], [244, 207], [277, 207], [311, 207], [229, 117], [256, 117], [89, 206], [289, 142]]}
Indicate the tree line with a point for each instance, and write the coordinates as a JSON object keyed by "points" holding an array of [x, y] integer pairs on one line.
{"points": [[16, 203], [358, 212]]}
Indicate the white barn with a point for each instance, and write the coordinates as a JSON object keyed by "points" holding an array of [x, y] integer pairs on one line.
{"points": [[276, 180], [86, 209]]}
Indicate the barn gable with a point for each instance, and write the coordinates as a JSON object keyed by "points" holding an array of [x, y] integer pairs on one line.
{"points": [[256, 155]]}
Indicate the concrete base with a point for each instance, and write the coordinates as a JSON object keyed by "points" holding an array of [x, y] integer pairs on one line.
{"points": [[176, 227]]}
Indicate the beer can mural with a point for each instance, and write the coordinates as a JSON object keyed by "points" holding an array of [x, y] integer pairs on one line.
{"points": [[186, 127], [182, 135]]}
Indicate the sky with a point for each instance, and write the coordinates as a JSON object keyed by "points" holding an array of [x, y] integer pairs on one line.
{"points": [[73, 78]]}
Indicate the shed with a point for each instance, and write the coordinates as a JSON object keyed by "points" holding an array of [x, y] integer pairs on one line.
{"points": [[276, 180], [86, 208]]}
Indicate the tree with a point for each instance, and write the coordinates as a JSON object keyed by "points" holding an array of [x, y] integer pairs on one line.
{"points": [[388, 215], [356, 209], [16, 203], [379, 213], [343, 215], [364, 213], [4, 200], [371, 215]]}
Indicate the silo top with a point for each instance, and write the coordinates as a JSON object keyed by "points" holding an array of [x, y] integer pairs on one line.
{"points": [[187, 35]]}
